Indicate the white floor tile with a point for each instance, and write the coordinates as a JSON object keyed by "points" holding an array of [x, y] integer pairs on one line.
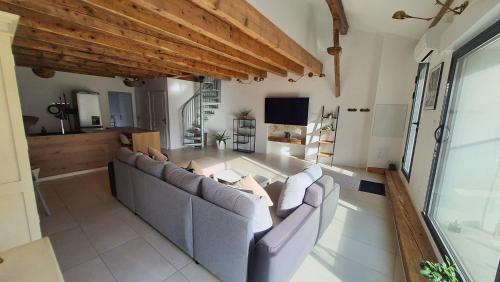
{"points": [[319, 267], [59, 220], [72, 248], [168, 250], [107, 232], [135, 222], [95, 209], [195, 272], [177, 277], [360, 245], [91, 271], [375, 258], [137, 261]]}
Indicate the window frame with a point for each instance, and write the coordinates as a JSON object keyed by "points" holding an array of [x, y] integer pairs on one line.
{"points": [[483, 37], [423, 63]]}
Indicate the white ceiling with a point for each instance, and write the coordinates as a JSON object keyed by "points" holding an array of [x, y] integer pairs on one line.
{"points": [[376, 15]]}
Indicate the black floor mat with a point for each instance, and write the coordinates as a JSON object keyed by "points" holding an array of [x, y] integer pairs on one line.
{"points": [[372, 187]]}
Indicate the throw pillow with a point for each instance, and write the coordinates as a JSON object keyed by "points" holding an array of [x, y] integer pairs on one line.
{"points": [[292, 195], [125, 155], [157, 154], [150, 166], [249, 184]]}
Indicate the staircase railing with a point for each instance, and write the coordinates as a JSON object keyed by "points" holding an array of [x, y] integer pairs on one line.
{"points": [[197, 109], [192, 121]]}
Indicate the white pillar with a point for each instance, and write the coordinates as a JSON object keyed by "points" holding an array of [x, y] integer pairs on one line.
{"points": [[19, 221]]}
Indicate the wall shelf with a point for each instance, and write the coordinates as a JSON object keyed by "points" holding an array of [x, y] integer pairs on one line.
{"points": [[295, 141], [326, 144], [244, 135]]}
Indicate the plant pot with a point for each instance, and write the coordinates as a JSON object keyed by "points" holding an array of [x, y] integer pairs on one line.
{"points": [[221, 145]]}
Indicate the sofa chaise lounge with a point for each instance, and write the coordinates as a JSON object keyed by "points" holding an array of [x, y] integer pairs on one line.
{"points": [[224, 229]]}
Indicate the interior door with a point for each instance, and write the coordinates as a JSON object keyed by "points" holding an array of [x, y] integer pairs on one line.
{"points": [[19, 221], [121, 109], [159, 115]]}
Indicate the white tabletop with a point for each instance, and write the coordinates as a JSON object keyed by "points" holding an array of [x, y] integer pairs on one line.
{"points": [[229, 176]]}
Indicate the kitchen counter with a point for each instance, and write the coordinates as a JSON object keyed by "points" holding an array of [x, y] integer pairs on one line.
{"points": [[57, 153]]}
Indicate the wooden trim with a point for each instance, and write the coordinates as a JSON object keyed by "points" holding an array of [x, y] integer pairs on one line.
{"points": [[295, 141], [59, 154], [376, 170], [241, 14], [414, 243]]}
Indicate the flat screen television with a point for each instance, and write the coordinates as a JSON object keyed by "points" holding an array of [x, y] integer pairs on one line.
{"points": [[292, 111]]}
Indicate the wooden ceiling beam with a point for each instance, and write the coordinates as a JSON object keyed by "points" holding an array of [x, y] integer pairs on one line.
{"points": [[55, 40], [51, 48], [73, 61], [338, 14], [65, 22], [127, 13], [244, 16], [33, 62], [198, 19]]}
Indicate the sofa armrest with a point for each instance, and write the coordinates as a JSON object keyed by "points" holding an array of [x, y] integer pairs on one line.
{"points": [[280, 252]]}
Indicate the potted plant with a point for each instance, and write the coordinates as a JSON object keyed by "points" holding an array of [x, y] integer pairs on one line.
{"points": [[393, 166], [438, 272], [328, 127], [328, 115], [220, 139], [243, 114]]}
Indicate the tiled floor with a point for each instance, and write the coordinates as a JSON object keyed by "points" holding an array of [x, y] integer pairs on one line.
{"points": [[96, 239]]}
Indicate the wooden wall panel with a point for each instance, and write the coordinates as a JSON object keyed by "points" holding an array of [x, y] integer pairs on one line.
{"points": [[59, 154]]}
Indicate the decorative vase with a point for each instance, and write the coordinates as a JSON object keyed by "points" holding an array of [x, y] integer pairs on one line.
{"points": [[221, 145]]}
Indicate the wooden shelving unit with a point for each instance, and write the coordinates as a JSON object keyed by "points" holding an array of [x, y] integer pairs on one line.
{"points": [[326, 147], [244, 135], [295, 141]]}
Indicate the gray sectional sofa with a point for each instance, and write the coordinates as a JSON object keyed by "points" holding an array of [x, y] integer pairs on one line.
{"points": [[228, 231]]}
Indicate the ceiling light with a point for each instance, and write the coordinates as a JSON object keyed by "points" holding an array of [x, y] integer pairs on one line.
{"points": [[401, 15]]}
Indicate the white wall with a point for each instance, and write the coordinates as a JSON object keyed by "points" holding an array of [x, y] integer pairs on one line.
{"points": [[179, 91], [372, 65], [37, 93]]}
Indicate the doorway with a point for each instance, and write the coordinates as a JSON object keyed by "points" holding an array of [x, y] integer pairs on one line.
{"points": [[120, 109], [152, 114], [158, 116]]}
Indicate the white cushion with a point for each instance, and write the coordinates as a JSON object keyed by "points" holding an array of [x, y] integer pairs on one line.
{"points": [[292, 195]]}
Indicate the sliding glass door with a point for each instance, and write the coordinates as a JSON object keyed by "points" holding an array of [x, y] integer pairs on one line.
{"points": [[411, 136], [463, 202]]}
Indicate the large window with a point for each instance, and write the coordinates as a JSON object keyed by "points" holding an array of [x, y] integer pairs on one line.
{"points": [[411, 136], [463, 201]]}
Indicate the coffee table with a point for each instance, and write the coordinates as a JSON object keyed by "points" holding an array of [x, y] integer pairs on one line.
{"points": [[227, 176]]}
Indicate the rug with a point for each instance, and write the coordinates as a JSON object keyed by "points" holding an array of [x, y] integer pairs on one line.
{"points": [[372, 187]]}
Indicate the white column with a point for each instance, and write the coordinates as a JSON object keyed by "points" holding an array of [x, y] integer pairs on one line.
{"points": [[19, 221]]}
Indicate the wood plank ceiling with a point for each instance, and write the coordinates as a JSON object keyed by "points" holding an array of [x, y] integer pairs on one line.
{"points": [[153, 38]]}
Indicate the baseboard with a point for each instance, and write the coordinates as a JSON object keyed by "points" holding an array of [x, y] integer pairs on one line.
{"points": [[53, 177], [376, 170]]}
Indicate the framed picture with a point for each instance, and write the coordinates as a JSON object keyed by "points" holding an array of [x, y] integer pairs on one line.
{"points": [[433, 83]]}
